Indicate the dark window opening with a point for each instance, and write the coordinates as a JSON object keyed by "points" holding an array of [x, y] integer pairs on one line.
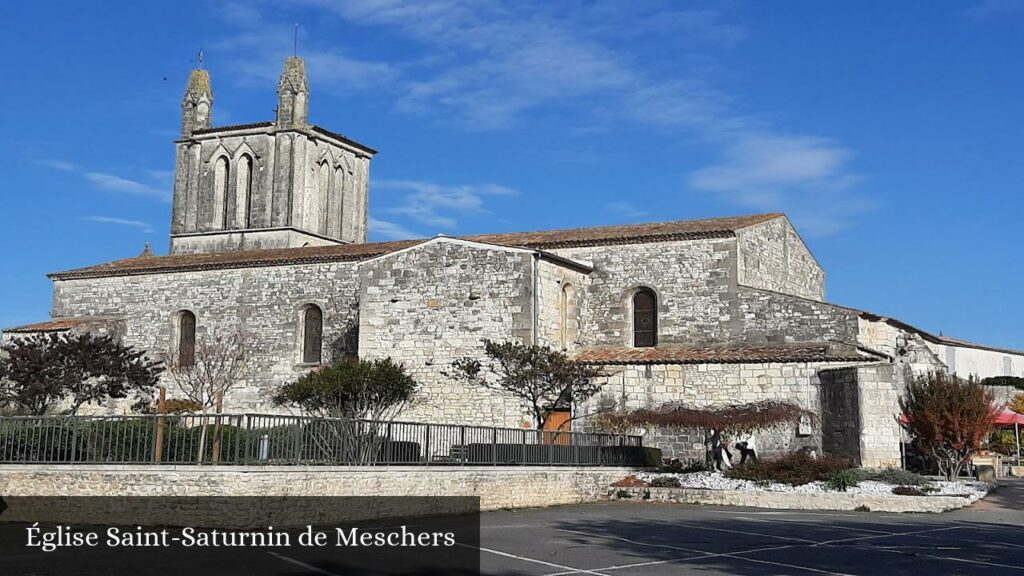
{"points": [[645, 319], [313, 326], [186, 339]]}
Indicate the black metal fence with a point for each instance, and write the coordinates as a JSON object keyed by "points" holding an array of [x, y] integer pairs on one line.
{"points": [[258, 439]]}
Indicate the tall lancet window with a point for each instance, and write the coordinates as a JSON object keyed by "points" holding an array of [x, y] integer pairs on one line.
{"points": [[567, 332], [312, 334], [186, 339], [323, 193], [243, 192], [336, 206], [645, 318], [220, 194]]}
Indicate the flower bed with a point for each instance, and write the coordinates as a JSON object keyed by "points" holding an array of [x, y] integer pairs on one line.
{"points": [[716, 481]]}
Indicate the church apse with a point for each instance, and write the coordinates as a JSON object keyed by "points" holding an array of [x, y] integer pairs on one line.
{"points": [[280, 184]]}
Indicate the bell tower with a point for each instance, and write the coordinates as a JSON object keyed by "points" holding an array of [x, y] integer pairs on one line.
{"points": [[280, 184]]}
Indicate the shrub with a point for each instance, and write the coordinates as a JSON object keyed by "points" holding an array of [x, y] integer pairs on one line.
{"points": [[894, 476], [862, 508], [624, 494], [948, 417], [665, 482], [652, 457], [795, 469], [843, 480], [677, 466], [907, 491]]}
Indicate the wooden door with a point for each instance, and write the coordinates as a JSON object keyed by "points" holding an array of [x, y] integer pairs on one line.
{"points": [[555, 422]]}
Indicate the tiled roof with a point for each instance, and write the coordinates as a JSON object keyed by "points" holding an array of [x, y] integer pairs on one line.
{"points": [[596, 236], [739, 354], [57, 324]]}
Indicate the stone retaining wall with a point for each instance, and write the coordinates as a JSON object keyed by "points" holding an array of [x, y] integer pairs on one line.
{"points": [[497, 487], [797, 500]]}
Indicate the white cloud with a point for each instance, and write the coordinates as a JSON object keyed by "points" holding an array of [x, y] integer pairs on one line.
{"points": [[804, 175], [113, 183], [992, 8], [144, 226], [438, 205], [626, 210], [390, 230]]}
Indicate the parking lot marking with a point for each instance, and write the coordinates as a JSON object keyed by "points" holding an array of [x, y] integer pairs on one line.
{"points": [[954, 559], [302, 564], [914, 533], [675, 560], [868, 530], [570, 569], [734, 555], [804, 540]]}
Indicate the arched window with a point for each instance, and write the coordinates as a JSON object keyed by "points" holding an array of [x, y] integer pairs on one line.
{"points": [[567, 331], [220, 194], [336, 205], [645, 318], [243, 191], [312, 334], [324, 192], [186, 345]]}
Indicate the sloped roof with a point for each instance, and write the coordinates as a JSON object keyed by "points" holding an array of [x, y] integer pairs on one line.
{"points": [[571, 237], [737, 354], [61, 324]]}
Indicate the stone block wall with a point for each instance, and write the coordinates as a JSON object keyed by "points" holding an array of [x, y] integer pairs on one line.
{"points": [[880, 432], [772, 256], [560, 305], [265, 302], [497, 487], [766, 316], [693, 279], [435, 303], [705, 385]]}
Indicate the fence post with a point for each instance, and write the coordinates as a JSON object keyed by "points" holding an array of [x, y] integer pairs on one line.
{"points": [[239, 431], [158, 442], [494, 447], [74, 439], [217, 428], [426, 450], [464, 453]]}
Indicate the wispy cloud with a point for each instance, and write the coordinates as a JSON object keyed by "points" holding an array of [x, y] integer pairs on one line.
{"points": [[390, 230], [113, 183], [992, 8], [806, 175], [625, 210], [439, 205], [144, 226], [490, 66]]}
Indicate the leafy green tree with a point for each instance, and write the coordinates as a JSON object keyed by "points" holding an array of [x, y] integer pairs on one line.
{"points": [[949, 418], [352, 388], [541, 377], [41, 371]]}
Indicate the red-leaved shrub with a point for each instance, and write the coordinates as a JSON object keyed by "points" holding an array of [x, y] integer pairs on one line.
{"points": [[795, 468]]}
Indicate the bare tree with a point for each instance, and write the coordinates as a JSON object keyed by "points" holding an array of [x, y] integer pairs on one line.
{"points": [[219, 364]]}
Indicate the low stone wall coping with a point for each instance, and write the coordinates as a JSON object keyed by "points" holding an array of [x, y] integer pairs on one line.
{"points": [[798, 500], [142, 468]]}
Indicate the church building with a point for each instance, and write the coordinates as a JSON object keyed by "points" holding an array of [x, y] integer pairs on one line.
{"points": [[269, 241]]}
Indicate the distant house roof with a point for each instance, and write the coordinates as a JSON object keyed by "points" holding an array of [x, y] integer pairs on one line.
{"points": [[572, 237], [738, 354]]}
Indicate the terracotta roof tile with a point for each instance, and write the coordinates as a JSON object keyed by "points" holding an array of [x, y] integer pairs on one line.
{"points": [[739, 354], [58, 324], [596, 236]]}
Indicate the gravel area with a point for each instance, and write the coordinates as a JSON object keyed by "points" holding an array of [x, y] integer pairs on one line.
{"points": [[716, 481]]}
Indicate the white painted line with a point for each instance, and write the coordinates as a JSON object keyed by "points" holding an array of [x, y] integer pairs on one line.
{"points": [[302, 564], [844, 540], [817, 525], [676, 560], [570, 569], [954, 559], [733, 555], [804, 540]]}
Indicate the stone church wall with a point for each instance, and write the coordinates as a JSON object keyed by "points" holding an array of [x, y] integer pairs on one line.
{"points": [[693, 280], [772, 256], [704, 385], [765, 316], [264, 302], [435, 303], [560, 305]]}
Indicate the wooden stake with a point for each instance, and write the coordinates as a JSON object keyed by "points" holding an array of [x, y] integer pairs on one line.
{"points": [[158, 450], [217, 427]]}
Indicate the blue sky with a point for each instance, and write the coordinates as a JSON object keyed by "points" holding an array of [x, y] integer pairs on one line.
{"points": [[890, 132]]}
